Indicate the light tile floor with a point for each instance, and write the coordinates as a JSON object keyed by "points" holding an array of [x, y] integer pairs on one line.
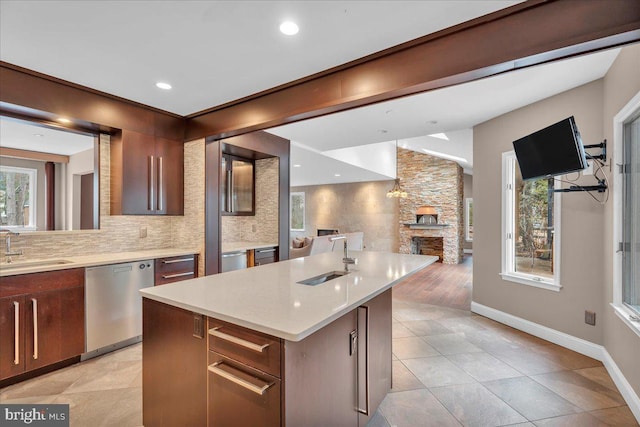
{"points": [[450, 368]]}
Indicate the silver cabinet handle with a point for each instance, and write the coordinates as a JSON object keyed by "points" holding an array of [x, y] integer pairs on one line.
{"points": [[150, 184], [173, 261], [232, 254], [216, 368], [160, 184], [16, 333], [264, 251], [35, 327], [229, 191], [243, 343], [172, 276], [364, 411]]}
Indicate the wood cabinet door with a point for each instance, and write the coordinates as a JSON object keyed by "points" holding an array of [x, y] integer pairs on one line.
{"points": [[169, 157], [320, 377], [12, 361], [138, 167], [54, 326], [375, 346]]}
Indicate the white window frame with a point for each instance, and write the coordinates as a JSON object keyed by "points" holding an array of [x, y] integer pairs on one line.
{"points": [[33, 188], [622, 311], [508, 271], [467, 202]]}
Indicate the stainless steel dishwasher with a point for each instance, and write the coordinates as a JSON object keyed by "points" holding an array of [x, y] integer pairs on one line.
{"points": [[234, 261], [113, 305]]}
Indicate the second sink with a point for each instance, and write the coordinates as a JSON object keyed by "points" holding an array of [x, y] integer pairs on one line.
{"points": [[322, 278]]}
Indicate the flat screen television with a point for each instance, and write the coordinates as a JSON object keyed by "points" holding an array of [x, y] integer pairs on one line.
{"points": [[554, 150]]}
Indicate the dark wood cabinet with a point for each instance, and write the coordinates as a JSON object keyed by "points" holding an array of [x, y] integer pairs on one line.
{"points": [[174, 366], [264, 256], [237, 186], [174, 269], [147, 175], [337, 376], [41, 320]]}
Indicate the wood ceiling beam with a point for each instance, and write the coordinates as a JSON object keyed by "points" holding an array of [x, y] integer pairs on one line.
{"points": [[520, 36]]}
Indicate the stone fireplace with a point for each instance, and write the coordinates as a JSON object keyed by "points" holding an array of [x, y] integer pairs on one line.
{"points": [[428, 246], [431, 182]]}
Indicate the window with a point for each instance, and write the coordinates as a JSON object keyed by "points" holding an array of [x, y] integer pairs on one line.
{"points": [[530, 228], [297, 211], [17, 197], [626, 212], [468, 220]]}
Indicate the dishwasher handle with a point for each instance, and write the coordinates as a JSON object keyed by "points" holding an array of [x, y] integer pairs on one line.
{"points": [[233, 254]]}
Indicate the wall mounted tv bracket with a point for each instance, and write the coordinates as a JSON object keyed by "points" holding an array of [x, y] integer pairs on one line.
{"points": [[602, 158]]}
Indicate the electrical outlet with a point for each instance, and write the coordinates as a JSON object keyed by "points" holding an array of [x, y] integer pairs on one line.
{"points": [[143, 232], [590, 317]]}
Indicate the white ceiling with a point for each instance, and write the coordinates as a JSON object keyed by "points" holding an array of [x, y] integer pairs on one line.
{"points": [[211, 52], [17, 134], [453, 110]]}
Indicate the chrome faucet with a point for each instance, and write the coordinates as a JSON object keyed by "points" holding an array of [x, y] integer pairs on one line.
{"points": [[345, 259], [8, 253]]}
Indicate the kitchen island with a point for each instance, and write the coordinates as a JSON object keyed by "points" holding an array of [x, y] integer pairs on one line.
{"points": [[255, 347]]}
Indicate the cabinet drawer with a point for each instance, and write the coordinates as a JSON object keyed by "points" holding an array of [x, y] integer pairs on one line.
{"points": [[263, 253], [251, 348], [173, 269], [240, 395], [263, 261]]}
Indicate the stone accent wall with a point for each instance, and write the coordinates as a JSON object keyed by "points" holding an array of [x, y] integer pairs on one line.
{"points": [[360, 206], [263, 227], [431, 181], [188, 231]]}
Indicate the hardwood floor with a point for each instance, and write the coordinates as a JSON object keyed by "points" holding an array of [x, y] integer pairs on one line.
{"points": [[447, 285]]}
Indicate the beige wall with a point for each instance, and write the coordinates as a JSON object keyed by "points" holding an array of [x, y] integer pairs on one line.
{"points": [[621, 83], [360, 206], [586, 236], [582, 253]]}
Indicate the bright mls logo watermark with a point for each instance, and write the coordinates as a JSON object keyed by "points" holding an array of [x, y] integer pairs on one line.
{"points": [[35, 415]]}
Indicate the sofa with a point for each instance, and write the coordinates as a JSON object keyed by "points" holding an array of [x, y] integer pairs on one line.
{"points": [[321, 244]]}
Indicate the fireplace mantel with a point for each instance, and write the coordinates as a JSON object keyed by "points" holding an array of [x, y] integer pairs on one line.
{"points": [[425, 226]]}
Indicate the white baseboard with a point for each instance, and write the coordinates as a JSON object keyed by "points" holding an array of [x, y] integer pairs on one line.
{"points": [[576, 344]]}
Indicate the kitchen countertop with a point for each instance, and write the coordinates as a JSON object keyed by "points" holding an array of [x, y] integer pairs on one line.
{"points": [[268, 299], [30, 266], [244, 246]]}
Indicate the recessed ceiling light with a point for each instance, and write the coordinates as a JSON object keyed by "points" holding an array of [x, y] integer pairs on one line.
{"points": [[289, 28], [383, 131], [439, 136], [296, 166], [63, 120], [163, 85], [38, 135], [337, 174]]}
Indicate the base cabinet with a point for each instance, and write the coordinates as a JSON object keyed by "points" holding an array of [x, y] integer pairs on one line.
{"points": [[337, 376], [41, 320]]}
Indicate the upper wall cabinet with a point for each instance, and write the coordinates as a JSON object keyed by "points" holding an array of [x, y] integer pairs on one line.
{"points": [[237, 186], [147, 175]]}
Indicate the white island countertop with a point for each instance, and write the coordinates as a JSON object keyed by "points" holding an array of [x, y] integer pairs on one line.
{"points": [[268, 298]]}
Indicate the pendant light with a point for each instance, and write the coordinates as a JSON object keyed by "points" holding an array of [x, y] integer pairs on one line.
{"points": [[397, 191]]}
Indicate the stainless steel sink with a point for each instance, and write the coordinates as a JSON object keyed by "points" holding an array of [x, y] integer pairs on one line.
{"points": [[43, 263], [325, 277]]}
